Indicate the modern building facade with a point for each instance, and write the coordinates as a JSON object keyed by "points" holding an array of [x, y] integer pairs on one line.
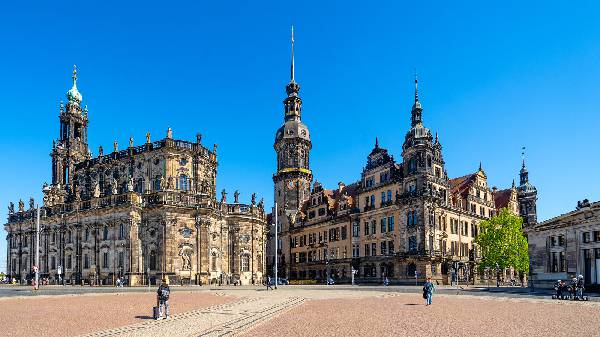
{"points": [[566, 246], [403, 220], [140, 213]]}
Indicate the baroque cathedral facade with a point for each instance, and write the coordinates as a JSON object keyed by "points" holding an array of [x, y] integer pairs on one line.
{"points": [[141, 213], [402, 220]]}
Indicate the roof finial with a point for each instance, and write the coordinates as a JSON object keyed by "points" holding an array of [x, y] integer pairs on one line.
{"points": [[513, 185], [74, 75], [292, 66], [480, 166], [523, 155], [416, 87], [376, 143]]}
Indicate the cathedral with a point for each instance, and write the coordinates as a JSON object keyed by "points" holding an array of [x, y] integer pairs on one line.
{"points": [[139, 214], [402, 220]]}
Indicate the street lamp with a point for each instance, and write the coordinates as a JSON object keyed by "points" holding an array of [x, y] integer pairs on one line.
{"points": [[148, 276]]}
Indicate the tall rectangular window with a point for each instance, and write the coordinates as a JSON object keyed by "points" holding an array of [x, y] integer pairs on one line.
{"points": [[355, 229], [86, 261], [391, 247], [383, 225], [366, 228], [383, 248], [373, 227], [373, 249], [390, 223], [412, 243], [367, 250], [382, 197], [105, 259], [389, 195]]}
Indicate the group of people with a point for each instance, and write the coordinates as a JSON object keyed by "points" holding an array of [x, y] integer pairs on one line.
{"points": [[574, 290], [120, 282]]}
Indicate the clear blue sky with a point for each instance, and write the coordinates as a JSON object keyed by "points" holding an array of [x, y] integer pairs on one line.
{"points": [[492, 79]]}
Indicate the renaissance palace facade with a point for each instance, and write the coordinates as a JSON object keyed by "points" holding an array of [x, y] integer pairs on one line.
{"points": [[141, 213], [404, 221]]}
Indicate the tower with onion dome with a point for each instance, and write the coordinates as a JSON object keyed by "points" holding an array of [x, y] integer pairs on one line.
{"points": [[71, 147]]}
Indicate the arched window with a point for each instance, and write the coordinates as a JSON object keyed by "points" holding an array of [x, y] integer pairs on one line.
{"points": [[152, 265], [245, 262], [183, 182], [410, 270], [105, 236]]}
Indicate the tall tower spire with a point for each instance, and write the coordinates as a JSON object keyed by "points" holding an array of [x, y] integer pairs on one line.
{"points": [[416, 113], [292, 66], [526, 195], [416, 88], [293, 103]]}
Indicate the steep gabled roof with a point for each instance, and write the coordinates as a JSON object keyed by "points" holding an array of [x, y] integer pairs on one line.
{"points": [[461, 185], [502, 198]]}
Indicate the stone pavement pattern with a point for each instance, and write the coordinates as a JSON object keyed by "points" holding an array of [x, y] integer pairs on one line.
{"points": [[405, 315], [71, 315], [220, 320], [312, 311]]}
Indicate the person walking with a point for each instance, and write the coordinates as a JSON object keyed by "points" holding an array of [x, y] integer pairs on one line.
{"points": [[269, 283], [428, 289], [580, 287], [163, 294]]}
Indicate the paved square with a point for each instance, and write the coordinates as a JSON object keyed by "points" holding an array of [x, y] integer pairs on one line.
{"points": [[298, 311]]}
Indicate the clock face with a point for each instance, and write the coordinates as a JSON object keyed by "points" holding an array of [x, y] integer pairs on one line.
{"points": [[291, 184]]}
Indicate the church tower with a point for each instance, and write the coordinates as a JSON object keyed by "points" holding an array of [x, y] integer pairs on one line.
{"points": [[423, 163], [294, 177], [72, 145], [527, 196]]}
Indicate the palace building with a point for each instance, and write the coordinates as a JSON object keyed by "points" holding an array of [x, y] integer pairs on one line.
{"points": [[141, 213], [567, 246], [402, 220]]}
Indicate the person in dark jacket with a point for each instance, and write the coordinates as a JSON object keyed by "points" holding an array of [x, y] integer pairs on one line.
{"points": [[163, 293], [580, 287], [428, 290]]}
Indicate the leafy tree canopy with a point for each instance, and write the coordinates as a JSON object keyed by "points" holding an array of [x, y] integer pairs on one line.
{"points": [[502, 242]]}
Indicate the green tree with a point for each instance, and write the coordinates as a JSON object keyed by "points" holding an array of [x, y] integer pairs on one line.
{"points": [[502, 242]]}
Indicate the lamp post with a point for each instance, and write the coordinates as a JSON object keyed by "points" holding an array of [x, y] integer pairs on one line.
{"points": [[276, 246], [327, 262], [37, 249], [497, 275]]}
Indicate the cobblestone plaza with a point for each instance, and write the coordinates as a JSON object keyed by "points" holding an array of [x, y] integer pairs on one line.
{"points": [[299, 311]]}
